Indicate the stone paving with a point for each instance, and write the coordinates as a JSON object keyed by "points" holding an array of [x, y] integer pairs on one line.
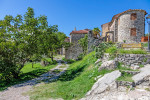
{"points": [[15, 92]]}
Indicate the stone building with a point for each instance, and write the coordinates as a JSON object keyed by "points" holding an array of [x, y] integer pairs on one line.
{"points": [[127, 26], [75, 50]]}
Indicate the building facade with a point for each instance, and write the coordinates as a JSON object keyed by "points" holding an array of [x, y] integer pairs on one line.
{"points": [[75, 49], [127, 26]]}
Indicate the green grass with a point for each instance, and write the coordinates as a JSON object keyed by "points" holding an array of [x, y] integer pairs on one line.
{"points": [[74, 84], [145, 44], [125, 77], [141, 65], [138, 51], [121, 68], [111, 50], [27, 73]]}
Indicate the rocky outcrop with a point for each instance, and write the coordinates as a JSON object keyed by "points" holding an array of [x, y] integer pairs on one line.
{"points": [[103, 84], [143, 76], [110, 65]]}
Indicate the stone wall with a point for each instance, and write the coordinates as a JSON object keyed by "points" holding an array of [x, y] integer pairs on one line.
{"points": [[125, 25], [133, 59], [130, 59], [75, 49], [105, 28], [92, 41], [75, 37]]}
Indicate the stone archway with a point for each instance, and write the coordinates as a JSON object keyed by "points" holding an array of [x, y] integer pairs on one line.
{"points": [[109, 36]]}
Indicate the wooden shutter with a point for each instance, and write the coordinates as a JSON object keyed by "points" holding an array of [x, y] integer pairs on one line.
{"points": [[133, 31], [133, 16]]}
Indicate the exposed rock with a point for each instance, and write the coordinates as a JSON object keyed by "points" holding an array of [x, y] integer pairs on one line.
{"points": [[104, 83], [135, 67], [98, 60], [143, 76], [110, 65]]}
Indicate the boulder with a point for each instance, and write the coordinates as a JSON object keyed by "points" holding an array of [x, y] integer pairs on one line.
{"points": [[105, 82], [110, 65], [143, 76]]}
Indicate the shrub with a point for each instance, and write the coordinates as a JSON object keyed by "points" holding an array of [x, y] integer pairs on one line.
{"points": [[80, 57], [111, 50], [69, 61], [100, 49]]}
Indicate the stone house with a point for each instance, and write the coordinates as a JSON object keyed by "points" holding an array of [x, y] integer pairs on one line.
{"points": [[75, 49], [126, 26]]}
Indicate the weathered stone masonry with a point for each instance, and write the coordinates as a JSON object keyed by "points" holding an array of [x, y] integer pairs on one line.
{"points": [[128, 25]]}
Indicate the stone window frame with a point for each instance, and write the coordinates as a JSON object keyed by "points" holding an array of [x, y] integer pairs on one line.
{"points": [[133, 16], [133, 32]]}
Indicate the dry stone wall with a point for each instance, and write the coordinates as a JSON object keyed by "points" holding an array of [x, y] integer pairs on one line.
{"points": [[130, 59], [134, 59]]}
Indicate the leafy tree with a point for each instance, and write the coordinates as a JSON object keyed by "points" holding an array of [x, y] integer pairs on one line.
{"points": [[23, 39], [84, 44], [96, 32]]}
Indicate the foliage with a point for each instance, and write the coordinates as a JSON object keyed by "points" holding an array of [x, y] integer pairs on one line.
{"points": [[69, 61], [138, 51], [100, 49], [73, 84], [125, 77], [83, 42], [141, 65], [112, 51], [80, 57], [27, 73], [123, 68], [96, 32], [24, 38]]}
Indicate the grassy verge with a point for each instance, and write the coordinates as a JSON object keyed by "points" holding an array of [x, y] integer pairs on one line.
{"points": [[74, 84], [138, 51], [125, 77], [27, 73]]}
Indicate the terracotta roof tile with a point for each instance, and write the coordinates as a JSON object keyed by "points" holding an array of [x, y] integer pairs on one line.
{"points": [[85, 31]]}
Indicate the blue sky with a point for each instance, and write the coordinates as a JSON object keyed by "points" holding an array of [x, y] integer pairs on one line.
{"points": [[68, 14]]}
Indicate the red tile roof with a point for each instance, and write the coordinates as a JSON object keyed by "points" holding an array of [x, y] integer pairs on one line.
{"points": [[67, 39], [85, 31]]}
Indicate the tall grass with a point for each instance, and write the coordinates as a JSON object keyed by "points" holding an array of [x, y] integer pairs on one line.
{"points": [[74, 84]]}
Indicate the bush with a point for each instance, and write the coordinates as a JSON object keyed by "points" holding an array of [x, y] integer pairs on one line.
{"points": [[69, 61], [80, 57], [100, 49], [111, 50]]}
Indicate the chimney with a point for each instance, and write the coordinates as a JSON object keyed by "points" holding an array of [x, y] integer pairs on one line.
{"points": [[75, 29]]}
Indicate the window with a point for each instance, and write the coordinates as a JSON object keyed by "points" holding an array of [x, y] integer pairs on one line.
{"points": [[133, 16], [133, 31]]}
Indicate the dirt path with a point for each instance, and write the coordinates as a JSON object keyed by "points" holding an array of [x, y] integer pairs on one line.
{"points": [[15, 92]]}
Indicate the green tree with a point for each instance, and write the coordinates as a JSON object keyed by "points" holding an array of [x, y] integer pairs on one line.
{"points": [[84, 44], [21, 39], [96, 31]]}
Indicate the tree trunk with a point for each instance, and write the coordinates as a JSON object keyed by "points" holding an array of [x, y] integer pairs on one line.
{"points": [[32, 64], [52, 57]]}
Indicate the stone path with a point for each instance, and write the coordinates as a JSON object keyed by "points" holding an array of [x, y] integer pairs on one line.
{"points": [[15, 92]]}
